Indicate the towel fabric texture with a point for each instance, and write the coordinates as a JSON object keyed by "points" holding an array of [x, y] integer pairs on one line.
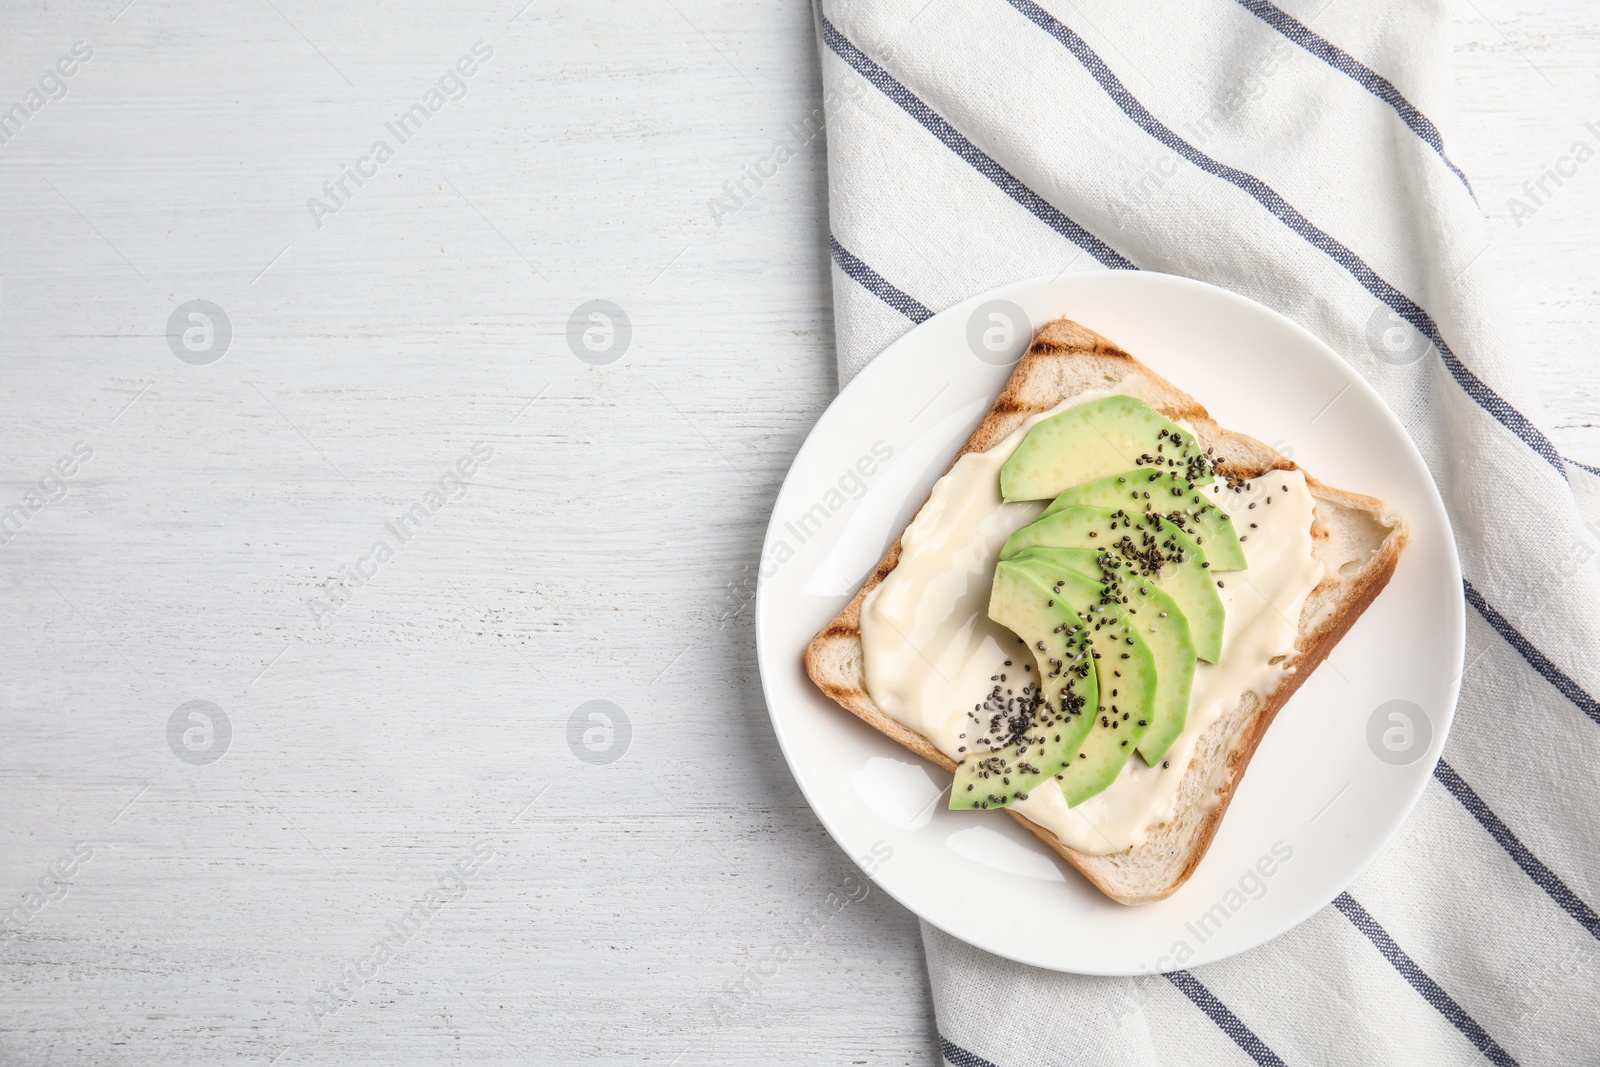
{"points": [[1292, 153]]}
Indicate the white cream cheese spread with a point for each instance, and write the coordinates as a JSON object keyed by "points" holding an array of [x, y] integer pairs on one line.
{"points": [[930, 648]]}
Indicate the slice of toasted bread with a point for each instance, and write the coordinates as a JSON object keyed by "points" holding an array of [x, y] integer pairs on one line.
{"points": [[1356, 538]]}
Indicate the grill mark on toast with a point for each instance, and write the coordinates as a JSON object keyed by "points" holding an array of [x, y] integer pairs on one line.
{"points": [[1045, 349]]}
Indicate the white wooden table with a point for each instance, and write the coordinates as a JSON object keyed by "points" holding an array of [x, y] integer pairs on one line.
{"points": [[294, 901]]}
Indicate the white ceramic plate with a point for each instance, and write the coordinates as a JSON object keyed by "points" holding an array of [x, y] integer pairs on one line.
{"points": [[1337, 773]]}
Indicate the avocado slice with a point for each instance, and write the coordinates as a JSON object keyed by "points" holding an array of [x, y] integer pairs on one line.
{"points": [[1165, 628], [1152, 547], [1156, 617], [1041, 729], [1093, 440], [1170, 495], [1126, 667]]}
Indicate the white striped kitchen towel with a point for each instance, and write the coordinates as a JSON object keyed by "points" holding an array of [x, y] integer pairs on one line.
{"points": [[1289, 152]]}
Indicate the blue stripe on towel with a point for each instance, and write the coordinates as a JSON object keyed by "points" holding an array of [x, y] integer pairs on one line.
{"points": [[1429, 990], [957, 1056], [874, 283], [1536, 659], [1542, 876], [1357, 71], [952, 139], [1229, 1023], [1268, 198]]}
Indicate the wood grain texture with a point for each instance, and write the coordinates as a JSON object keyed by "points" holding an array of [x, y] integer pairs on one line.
{"points": [[605, 552]]}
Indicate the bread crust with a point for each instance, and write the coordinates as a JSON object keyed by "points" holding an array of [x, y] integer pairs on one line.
{"points": [[1064, 359]]}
